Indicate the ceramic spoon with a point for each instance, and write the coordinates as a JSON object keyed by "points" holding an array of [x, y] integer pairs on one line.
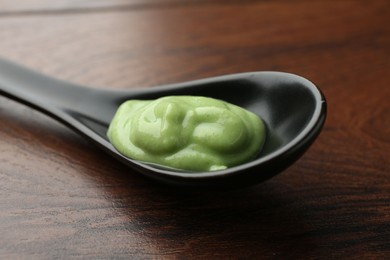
{"points": [[292, 107]]}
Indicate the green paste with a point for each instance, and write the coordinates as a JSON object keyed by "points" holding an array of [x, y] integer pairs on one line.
{"points": [[187, 132]]}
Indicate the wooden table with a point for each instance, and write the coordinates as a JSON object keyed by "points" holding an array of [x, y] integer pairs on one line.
{"points": [[61, 197]]}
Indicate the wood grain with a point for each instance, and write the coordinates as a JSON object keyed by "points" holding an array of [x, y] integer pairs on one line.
{"points": [[60, 197], [42, 7]]}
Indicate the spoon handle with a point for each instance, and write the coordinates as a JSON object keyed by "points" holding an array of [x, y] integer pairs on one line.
{"points": [[36, 90], [59, 99]]}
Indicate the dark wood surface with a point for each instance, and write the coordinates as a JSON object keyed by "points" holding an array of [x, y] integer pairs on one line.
{"points": [[61, 197]]}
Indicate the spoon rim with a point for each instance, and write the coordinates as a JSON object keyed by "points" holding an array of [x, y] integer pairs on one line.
{"points": [[317, 119]]}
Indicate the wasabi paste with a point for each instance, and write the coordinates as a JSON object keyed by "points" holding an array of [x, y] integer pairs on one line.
{"points": [[187, 132]]}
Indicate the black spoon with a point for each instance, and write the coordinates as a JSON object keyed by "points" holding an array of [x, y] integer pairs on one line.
{"points": [[292, 107]]}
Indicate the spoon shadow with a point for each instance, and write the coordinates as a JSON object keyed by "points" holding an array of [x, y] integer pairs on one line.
{"points": [[126, 207], [249, 221]]}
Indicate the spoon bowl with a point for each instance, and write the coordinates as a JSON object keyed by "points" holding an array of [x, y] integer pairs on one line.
{"points": [[293, 108]]}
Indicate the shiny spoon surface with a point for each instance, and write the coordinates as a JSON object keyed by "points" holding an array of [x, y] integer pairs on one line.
{"points": [[292, 107]]}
